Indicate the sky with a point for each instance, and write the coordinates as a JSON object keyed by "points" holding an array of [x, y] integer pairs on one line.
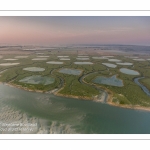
{"points": [[68, 30]]}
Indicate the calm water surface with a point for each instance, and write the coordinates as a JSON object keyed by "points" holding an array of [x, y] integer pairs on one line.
{"points": [[113, 81], [83, 116], [129, 71], [70, 71]]}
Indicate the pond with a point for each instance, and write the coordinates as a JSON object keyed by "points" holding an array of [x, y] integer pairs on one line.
{"points": [[42, 56], [82, 58], [110, 65], [34, 69], [39, 53], [112, 81], [37, 79], [39, 59], [99, 58], [55, 62], [114, 60], [11, 59], [21, 56], [125, 64], [129, 71], [64, 58], [9, 64], [131, 57], [140, 59], [83, 63], [70, 71]]}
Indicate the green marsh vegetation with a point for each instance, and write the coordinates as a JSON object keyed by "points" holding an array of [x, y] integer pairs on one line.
{"points": [[71, 85], [145, 82]]}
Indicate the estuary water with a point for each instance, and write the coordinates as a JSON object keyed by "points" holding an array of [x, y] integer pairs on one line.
{"points": [[67, 115]]}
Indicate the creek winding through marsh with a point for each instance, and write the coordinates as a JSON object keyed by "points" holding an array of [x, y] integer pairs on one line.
{"points": [[136, 80]]}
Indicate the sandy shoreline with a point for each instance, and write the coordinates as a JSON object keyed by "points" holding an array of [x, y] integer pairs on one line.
{"points": [[55, 92]]}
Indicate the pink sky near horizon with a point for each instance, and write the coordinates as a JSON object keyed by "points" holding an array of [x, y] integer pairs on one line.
{"points": [[74, 30]]}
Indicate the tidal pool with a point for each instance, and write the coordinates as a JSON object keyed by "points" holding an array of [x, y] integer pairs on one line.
{"points": [[114, 60], [37, 79], [99, 58], [70, 71], [21, 56], [129, 71], [64, 58], [110, 65], [9, 64], [39, 59], [34, 69], [140, 59], [125, 63], [112, 81], [11, 59], [82, 58], [55, 62], [83, 63]]}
